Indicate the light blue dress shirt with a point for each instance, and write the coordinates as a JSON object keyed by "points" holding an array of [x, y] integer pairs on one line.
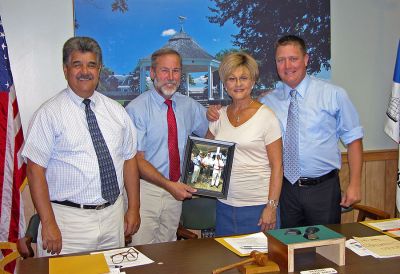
{"points": [[326, 115], [149, 113]]}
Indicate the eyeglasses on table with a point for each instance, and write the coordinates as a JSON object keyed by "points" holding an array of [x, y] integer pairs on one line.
{"points": [[130, 255]]}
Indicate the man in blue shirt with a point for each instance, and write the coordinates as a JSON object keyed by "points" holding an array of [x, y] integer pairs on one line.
{"points": [[157, 113], [311, 189], [325, 114]]}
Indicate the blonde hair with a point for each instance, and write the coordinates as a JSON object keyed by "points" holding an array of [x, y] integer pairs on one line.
{"points": [[234, 60]]}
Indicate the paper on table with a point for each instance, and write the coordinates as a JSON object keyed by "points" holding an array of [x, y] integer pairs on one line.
{"points": [[389, 226], [141, 259], [382, 245], [83, 264], [357, 248], [257, 240]]}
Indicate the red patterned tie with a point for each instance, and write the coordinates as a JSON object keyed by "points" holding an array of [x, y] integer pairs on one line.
{"points": [[174, 161]]}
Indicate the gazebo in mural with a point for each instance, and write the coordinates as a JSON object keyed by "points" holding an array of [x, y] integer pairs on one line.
{"points": [[194, 59]]}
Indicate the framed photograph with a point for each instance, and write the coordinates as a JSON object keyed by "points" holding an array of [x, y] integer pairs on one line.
{"points": [[207, 166]]}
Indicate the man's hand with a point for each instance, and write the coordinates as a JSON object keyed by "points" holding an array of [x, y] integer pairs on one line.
{"points": [[267, 219], [51, 235], [351, 196], [180, 191], [212, 113], [131, 221]]}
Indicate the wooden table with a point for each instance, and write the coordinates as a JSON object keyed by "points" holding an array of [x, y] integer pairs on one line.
{"points": [[203, 255]]}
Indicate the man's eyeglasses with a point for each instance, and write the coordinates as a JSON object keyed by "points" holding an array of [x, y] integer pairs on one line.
{"points": [[130, 255], [310, 233]]}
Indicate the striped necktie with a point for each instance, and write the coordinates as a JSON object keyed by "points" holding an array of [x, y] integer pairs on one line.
{"points": [[291, 162], [108, 176]]}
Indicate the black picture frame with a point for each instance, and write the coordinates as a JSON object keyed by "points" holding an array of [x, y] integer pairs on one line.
{"points": [[210, 161]]}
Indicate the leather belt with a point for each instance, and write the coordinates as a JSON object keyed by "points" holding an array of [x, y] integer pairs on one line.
{"points": [[305, 181], [72, 204]]}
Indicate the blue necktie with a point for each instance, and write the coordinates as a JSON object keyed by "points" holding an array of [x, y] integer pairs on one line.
{"points": [[291, 163], [108, 176]]}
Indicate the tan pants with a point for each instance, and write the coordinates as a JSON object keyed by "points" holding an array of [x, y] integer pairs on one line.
{"points": [[159, 213], [85, 230]]}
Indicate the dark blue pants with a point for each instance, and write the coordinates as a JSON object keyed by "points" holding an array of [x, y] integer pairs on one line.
{"points": [[238, 220], [310, 205]]}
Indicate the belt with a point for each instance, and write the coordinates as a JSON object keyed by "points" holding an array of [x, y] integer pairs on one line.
{"points": [[304, 181], [72, 204]]}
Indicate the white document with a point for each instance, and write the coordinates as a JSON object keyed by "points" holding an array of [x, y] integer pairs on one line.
{"points": [[328, 270], [246, 244], [357, 248], [391, 226], [141, 259]]}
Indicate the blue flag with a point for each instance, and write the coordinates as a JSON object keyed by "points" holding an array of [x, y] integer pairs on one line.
{"points": [[392, 122]]}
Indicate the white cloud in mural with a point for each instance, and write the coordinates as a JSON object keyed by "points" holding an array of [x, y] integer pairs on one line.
{"points": [[200, 80], [168, 32]]}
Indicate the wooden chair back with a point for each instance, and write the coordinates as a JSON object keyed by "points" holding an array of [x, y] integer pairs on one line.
{"points": [[9, 257], [368, 212]]}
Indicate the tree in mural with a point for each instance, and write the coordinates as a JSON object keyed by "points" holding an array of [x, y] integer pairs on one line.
{"points": [[262, 22], [120, 5]]}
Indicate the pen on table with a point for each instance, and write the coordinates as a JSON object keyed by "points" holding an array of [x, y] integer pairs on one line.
{"points": [[253, 247], [391, 229]]}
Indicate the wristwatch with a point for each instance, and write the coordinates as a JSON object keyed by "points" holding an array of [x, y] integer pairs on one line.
{"points": [[273, 203]]}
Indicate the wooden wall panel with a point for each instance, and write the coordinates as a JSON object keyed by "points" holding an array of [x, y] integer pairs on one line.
{"points": [[378, 182], [390, 183], [375, 184]]}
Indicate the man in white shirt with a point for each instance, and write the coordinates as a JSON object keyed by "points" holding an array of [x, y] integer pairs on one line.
{"points": [[70, 139]]}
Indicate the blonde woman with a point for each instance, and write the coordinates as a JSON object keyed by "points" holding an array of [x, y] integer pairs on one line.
{"points": [[256, 178]]}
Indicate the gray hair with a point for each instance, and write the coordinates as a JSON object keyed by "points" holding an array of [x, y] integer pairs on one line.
{"points": [[82, 44], [162, 52]]}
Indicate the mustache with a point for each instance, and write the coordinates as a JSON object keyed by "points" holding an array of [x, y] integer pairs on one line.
{"points": [[87, 76], [169, 82]]}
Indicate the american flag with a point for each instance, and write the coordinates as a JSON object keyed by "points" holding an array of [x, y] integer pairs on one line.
{"points": [[12, 167]]}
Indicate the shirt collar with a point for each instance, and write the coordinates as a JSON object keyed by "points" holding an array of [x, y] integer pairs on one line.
{"points": [[160, 100], [79, 100], [301, 88]]}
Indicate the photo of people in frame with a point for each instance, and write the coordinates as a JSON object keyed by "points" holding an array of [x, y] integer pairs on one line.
{"points": [[207, 166]]}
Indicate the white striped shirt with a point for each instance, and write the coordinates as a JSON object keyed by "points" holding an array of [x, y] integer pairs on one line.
{"points": [[58, 139]]}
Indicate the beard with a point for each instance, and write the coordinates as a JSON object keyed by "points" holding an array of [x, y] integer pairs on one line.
{"points": [[164, 89]]}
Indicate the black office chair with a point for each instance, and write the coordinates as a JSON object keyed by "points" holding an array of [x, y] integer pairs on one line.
{"points": [[24, 245], [197, 214]]}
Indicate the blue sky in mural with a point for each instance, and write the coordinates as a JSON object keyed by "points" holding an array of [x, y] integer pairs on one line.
{"points": [[147, 26]]}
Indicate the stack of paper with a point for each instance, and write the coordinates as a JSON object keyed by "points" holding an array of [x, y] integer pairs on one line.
{"points": [[381, 246], [244, 245], [390, 227]]}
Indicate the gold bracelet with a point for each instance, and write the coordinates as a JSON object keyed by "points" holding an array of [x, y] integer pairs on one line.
{"points": [[273, 203]]}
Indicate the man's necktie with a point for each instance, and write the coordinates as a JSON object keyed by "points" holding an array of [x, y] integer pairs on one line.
{"points": [[174, 160], [291, 162], [108, 176]]}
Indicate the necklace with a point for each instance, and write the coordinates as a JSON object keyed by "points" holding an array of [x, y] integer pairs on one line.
{"points": [[237, 115]]}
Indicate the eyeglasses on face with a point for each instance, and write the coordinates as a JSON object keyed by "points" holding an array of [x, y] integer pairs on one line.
{"points": [[130, 255]]}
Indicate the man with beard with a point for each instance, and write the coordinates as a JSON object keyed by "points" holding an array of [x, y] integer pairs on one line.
{"points": [[80, 148], [164, 118]]}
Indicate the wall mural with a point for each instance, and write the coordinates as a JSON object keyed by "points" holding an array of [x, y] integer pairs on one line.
{"points": [[202, 31]]}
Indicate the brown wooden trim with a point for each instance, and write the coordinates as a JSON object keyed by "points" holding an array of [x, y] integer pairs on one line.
{"points": [[376, 155]]}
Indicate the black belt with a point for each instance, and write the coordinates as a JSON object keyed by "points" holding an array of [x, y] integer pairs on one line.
{"points": [[304, 181], [72, 204]]}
